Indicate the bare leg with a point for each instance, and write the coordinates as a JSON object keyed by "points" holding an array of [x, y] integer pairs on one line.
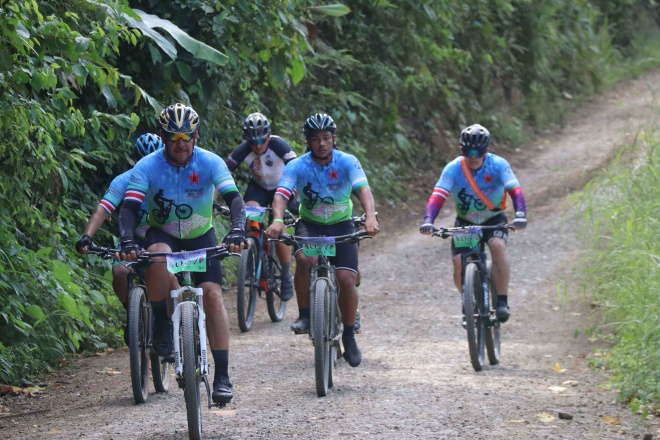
{"points": [[501, 269], [120, 282], [348, 296], [217, 322]]}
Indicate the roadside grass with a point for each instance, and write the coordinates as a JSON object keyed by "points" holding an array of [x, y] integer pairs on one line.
{"points": [[620, 232]]}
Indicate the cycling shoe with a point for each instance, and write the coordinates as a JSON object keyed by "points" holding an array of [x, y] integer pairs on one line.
{"points": [[286, 288], [352, 353], [502, 312], [163, 344], [300, 326], [223, 391]]}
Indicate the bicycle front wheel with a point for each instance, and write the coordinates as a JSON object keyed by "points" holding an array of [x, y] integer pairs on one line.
{"points": [[320, 323], [493, 331], [191, 369], [276, 307], [472, 294], [138, 317], [246, 286]]}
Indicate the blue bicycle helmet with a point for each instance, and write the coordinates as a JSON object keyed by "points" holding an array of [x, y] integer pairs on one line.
{"points": [[147, 144], [474, 137], [179, 118], [319, 122], [256, 128]]}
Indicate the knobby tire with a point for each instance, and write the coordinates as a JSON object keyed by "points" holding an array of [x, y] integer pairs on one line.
{"points": [[191, 369], [493, 333], [320, 322], [138, 317], [475, 325], [246, 286], [276, 307]]}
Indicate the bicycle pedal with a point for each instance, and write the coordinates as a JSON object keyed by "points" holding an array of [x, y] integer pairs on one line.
{"points": [[220, 405]]}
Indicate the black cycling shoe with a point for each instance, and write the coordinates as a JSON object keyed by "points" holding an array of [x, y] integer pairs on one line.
{"points": [[502, 312], [286, 288], [300, 326], [223, 391], [162, 343], [352, 352]]}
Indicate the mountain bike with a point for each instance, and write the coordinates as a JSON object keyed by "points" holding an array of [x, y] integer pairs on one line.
{"points": [[189, 326], [140, 332], [259, 270], [479, 294], [325, 318]]}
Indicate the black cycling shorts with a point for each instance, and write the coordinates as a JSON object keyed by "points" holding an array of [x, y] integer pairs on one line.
{"points": [[264, 197], [347, 253], [213, 268], [488, 233]]}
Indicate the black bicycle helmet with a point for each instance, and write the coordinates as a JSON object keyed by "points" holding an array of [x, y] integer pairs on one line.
{"points": [[256, 128], [475, 137], [179, 118], [147, 144], [319, 122]]}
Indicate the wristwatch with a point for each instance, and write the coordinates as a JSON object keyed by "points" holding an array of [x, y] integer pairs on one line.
{"points": [[520, 214]]}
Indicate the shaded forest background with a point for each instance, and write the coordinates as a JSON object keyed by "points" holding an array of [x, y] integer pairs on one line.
{"points": [[80, 80]]}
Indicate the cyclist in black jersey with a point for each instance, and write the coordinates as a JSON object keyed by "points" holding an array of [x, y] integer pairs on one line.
{"points": [[266, 155]]}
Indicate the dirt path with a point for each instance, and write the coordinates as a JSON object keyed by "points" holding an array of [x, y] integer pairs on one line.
{"points": [[415, 380]]}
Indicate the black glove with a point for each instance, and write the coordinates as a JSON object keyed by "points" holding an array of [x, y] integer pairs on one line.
{"points": [[520, 222], [235, 237], [85, 241], [427, 229], [129, 245]]}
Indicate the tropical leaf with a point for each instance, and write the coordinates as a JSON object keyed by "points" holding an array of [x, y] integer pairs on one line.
{"points": [[334, 10]]}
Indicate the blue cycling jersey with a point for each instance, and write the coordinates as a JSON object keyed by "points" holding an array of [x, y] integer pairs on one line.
{"points": [[115, 195], [180, 198], [493, 178], [324, 190]]}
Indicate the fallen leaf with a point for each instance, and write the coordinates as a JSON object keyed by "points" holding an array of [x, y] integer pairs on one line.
{"points": [[516, 421], [570, 382], [557, 389], [545, 417], [557, 367], [224, 412], [611, 420], [109, 371]]}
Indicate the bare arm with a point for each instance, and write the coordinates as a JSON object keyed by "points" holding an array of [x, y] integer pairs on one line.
{"points": [[369, 206], [278, 206]]}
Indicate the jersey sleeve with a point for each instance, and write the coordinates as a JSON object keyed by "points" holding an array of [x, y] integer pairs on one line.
{"points": [[355, 173], [115, 193], [222, 178], [237, 156], [138, 184], [282, 149], [287, 184]]}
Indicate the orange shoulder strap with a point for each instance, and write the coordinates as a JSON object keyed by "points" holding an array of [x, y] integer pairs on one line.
{"points": [[475, 189]]}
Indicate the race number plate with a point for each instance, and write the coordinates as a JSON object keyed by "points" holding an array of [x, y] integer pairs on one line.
{"points": [[468, 238], [256, 213], [194, 261], [315, 246]]}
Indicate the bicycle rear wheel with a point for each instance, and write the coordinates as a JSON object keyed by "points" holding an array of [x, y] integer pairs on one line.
{"points": [[160, 373], [472, 294], [191, 369], [276, 307], [138, 319], [320, 322], [493, 331], [246, 286]]}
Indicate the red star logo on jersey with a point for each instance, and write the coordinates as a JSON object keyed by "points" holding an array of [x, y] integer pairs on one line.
{"points": [[488, 179], [334, 175], [194, 179]]}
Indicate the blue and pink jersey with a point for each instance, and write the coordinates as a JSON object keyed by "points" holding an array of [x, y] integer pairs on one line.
{"points": [[325, 190], [180, 198], [495, 178]]}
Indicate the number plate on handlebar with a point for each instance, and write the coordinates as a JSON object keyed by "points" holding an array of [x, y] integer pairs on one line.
{"points": [[194, 261], [468, 238], [256, 213], [315, 246]]}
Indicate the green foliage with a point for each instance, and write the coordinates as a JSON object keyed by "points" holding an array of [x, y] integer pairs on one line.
{"points": [[622, 266]]}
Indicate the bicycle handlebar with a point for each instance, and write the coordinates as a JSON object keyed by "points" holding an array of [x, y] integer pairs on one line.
{"points": [[448, 232], [289, 219], [292, 239], [220, 251]]}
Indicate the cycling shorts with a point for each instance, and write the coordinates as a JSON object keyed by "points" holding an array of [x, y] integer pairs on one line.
{"points": [[264, 197], [347, 253], [213, 268], [488, 233]]}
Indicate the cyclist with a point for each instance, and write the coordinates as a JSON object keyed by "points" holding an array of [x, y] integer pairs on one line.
{"points": [[145, 145], [334, 176], [187, 174], [478, 180], [266, 155]]}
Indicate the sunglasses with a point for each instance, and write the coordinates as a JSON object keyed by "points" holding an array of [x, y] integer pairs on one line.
{"points": [[474, 153], [257, 142], [185, 137]]}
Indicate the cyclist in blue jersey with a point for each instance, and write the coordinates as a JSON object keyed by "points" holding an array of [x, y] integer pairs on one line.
{"points": [[475, 180], [326, 177], [145, 145], [186, 177], [266, 155]]}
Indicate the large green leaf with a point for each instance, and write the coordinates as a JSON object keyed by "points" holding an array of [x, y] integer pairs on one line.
{"points": [[195, 47], [334, 10]]}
